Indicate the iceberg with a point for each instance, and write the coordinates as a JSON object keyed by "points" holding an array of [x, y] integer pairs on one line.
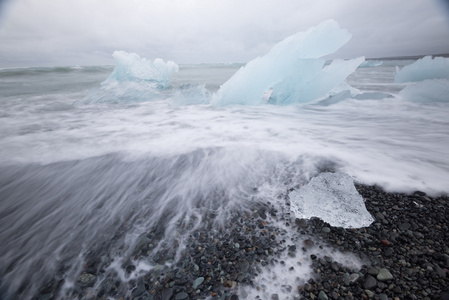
{"points": [[292, 70], [131, 67], [134, 79], [332, 197], [424, 68]]}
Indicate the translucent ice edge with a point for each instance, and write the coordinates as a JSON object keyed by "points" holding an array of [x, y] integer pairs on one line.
{"points": [[332, 197], [292, 70]]}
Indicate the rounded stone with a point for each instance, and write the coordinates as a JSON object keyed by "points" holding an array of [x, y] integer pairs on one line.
{"points": [[197, 282], [322, 296], [370, 282], [326, 229], [384, 275], [86, 279], [353, 277], [181, 296]]}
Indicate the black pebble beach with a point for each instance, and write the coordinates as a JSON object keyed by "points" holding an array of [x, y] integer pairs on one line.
{"points": [[406, 250]]}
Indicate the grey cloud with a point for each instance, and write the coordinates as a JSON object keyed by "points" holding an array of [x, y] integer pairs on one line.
{"points": [[88, 31]]}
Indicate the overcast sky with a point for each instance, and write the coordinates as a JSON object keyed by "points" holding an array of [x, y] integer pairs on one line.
{"points": [[86, 32]]}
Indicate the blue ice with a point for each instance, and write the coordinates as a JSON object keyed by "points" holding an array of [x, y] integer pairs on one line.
{"points": [[293, 70], [131, 67]]}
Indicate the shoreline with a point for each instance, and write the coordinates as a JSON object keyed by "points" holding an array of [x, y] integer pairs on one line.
{"points": [[405, 251], [407, 246]]}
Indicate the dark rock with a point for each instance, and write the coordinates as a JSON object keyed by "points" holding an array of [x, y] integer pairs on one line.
{"points": [[404, 226], [419, 193], [443, 296], [45, 297], [322, 296], [373, 271], [308, 243], [244, 266], [369, 283], [130, 268], [142, 241], [86, 279], [388, 252], [138, 290], [439, 271], [383, 297], [301, 223], [227, 283], [326, 229], [353, 277], [181, 296], [385, 242], [167, 294], [335, 267]]}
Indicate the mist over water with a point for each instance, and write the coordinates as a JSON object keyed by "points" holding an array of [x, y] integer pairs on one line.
{"points": [[79, 176]]}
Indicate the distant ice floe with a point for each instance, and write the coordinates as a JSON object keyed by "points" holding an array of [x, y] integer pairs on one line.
{"points": [[332, 197], [371, 63], [424, 68], [427, 91], [292, 70], [429, 80]]}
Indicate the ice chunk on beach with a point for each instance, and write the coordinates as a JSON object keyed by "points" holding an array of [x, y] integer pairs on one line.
{"points": [[332, 197], [292, 69], [424, 68], [131, 67]]}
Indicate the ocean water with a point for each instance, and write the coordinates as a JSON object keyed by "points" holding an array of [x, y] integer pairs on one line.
{"points": [[81, 161]]}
